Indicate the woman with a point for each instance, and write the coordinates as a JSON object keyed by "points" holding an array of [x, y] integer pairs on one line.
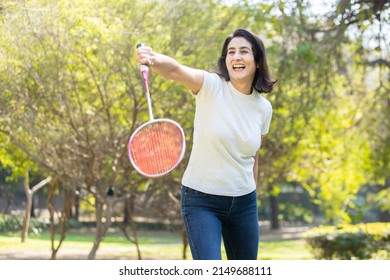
{"points": [[219, 185]]}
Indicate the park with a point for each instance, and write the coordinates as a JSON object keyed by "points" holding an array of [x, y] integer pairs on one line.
{"points": [[71, 94]]}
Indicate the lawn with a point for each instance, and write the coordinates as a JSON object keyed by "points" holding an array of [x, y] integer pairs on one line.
{"points": [[294, 249], [157, 245]]}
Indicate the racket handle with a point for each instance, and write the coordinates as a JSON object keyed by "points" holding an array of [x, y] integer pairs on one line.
{"points": [[144, 68], [145, 72]]}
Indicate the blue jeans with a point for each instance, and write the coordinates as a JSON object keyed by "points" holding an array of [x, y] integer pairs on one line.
{"points": [[209, 218]]}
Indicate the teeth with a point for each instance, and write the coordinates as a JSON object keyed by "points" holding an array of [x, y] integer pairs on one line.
{"points": [[238, 66]]}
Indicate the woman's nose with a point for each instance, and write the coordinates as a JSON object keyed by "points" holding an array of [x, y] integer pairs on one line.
{"points": [[237, 56]]}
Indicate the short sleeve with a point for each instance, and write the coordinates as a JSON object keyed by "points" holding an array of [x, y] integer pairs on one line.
{"points": [[267, 121], [210, 82]]}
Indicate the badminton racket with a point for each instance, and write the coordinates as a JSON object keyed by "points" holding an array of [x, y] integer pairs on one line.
{"points": [[156, 147]]}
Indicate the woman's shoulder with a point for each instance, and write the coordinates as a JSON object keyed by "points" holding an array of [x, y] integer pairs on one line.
{"points": [[213, 76], [264, 103], [212, 83]]}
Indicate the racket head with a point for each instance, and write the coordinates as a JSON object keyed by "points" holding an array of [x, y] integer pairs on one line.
{"points": [[156, 147]]}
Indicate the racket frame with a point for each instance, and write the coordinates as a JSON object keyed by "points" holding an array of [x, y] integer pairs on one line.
{"points": [[181, 153]]}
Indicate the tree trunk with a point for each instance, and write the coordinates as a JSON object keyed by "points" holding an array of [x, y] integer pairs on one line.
{"points": [[29, 197], [185, 242], [274, 213], [77, 205], [99, 230], [133, 225], [129, 221], [67, 202], [101, 226], [27, 214], [8, 202]]}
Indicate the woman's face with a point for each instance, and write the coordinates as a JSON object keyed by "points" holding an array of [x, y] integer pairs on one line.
{"points": [[240, 61]]}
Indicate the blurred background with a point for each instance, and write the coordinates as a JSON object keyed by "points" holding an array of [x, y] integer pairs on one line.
{"points": [[71, 95]]}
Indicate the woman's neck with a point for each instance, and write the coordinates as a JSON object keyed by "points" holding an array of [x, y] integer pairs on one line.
{"points": [[244, 88]]}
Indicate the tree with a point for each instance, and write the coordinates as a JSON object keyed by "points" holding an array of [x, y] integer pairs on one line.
{"points": [[69, 97], [14, 159], [29, 191], [335, 156]]}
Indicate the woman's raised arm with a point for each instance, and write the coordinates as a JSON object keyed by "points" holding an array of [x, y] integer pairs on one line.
{"points": [[168, 68]]}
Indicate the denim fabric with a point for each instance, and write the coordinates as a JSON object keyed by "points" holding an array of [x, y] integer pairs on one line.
{"points": [[209, 218]]}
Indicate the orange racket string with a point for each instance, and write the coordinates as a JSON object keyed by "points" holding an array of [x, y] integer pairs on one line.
{"points": [[157, 148]]}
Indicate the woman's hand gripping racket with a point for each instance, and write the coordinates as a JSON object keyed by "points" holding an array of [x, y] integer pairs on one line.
{"points": [[157, 146]]}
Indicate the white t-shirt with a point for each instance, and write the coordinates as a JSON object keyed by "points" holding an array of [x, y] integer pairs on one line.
{"points": [[227, 133]]}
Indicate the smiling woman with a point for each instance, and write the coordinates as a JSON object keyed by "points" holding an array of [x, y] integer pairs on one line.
{"points": [[219, 185], [241, 64], [252, 47]]}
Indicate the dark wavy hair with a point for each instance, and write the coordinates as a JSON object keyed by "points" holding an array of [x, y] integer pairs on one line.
{"points": [[262, 82]]}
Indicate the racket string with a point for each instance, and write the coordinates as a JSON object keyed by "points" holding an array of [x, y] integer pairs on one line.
{"points": [[157, 148]]}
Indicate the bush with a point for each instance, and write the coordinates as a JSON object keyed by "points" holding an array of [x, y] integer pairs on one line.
{"points": [[10, 223], [291, 212], [346, 242]]}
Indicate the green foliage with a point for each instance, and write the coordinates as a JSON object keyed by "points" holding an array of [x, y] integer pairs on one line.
{"points": [[291, 212], [11, 223], [348, 242]]}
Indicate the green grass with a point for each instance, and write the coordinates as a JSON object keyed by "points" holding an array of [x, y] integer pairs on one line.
{"points": [[153, 245], [295, 249]]}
